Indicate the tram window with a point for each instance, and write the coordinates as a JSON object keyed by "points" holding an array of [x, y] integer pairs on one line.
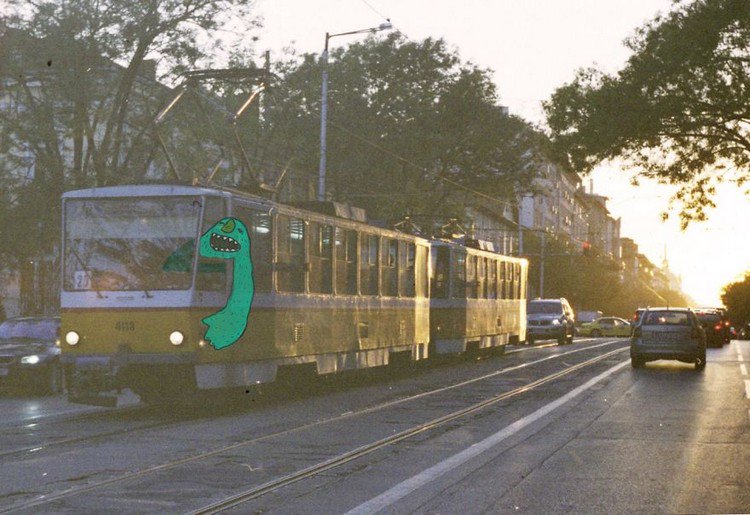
{"points": [[440, 272], [407, 272], [290, 271], [369, 264], [321, 258], [471, 277], [346, 261], [517, 281], [509, 280], [482, 275], [503, 293], [212, 272], [259, 225], [420, 269], [491, 279], [389, 267], [459, 276]]}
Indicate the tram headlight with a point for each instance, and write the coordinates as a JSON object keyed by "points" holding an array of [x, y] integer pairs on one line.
{"points": [[30, 360], [72, 338], [176, 338]]}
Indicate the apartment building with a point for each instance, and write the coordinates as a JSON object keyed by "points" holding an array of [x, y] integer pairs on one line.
{"points": [[552, 204]]}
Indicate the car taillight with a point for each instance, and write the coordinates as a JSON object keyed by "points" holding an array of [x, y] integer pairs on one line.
{"points": [[726, 323], [717, 327]]}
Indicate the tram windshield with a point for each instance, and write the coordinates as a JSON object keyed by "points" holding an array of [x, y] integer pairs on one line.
{"points": [[130, 243]]}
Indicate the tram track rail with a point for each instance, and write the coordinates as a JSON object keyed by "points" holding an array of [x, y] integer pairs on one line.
{"points": [[82, 439], [133, 409], [342, 459]]}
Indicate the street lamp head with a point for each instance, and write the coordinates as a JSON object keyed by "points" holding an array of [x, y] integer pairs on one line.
{"points": [[385, 26]]}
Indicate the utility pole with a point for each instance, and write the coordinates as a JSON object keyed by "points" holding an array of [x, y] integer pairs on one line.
{"points": [[324, 103], [323, 119], [541, 269]]}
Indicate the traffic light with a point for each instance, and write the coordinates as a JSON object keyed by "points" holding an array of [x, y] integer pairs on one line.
{"points": [[586, 248]]}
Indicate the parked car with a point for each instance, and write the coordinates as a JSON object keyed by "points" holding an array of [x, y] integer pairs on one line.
{"points": [[30, 353], [550, 319], [668, 333], [714, 326], [606, 326], [584, 317]]}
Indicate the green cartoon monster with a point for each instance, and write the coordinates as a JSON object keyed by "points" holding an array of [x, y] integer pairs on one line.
{"points": [[228, 239]]}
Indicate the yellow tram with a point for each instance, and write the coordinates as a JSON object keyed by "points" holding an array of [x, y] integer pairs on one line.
{"points": [[332, 293], [477, 299]]}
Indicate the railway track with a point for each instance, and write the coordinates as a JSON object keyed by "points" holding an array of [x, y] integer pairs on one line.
{"points": [[47, 499], [138, 410], [337, 461]]}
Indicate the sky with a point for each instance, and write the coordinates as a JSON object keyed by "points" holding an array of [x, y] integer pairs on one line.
{"points": [[533, 47]]}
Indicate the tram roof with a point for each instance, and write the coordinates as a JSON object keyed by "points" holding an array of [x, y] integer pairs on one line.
{"points": [[143, 190], [473, 250], [160, 190]]}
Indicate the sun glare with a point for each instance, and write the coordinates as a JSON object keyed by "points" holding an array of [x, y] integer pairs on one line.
{"points": [[707, 255]]}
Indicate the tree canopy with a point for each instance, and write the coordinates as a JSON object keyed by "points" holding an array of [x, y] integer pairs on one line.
{"points": [[410, 125], [679, 111], [80, 92], [736, 297]]}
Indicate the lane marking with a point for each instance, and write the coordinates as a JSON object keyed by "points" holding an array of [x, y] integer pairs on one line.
{"points": [[408, 486], [739, 356], [743, 369], [747, 388]]}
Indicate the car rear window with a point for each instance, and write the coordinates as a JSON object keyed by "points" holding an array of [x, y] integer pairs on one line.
{"points": [[545, 307], [666, 318], [708, 317]]}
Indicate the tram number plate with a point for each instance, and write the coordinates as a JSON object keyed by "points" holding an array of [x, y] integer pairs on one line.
{"points": [[126, 325], [82, 280]]}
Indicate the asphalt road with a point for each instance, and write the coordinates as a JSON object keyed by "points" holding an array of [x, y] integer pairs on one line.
{"points": [[593, 435]]}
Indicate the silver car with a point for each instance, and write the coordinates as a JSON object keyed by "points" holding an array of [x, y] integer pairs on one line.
{"points": [[668, 333]]}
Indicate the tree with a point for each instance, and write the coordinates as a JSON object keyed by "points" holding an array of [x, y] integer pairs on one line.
{"points": [[677, 112], [410, 124], [80, 87], [736, 297]]}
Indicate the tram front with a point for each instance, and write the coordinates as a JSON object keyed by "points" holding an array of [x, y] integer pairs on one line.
{"points": [[131, 300]]}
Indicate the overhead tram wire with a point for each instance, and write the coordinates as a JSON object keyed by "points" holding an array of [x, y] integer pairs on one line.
{"points": [[386, 18], [372, 8]]}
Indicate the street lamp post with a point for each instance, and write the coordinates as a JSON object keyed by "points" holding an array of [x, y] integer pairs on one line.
{"points": [[324, 103]]}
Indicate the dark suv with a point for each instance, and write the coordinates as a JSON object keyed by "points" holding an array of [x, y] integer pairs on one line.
{"points": [[726, 329], [713, 324], [550, 319]]}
